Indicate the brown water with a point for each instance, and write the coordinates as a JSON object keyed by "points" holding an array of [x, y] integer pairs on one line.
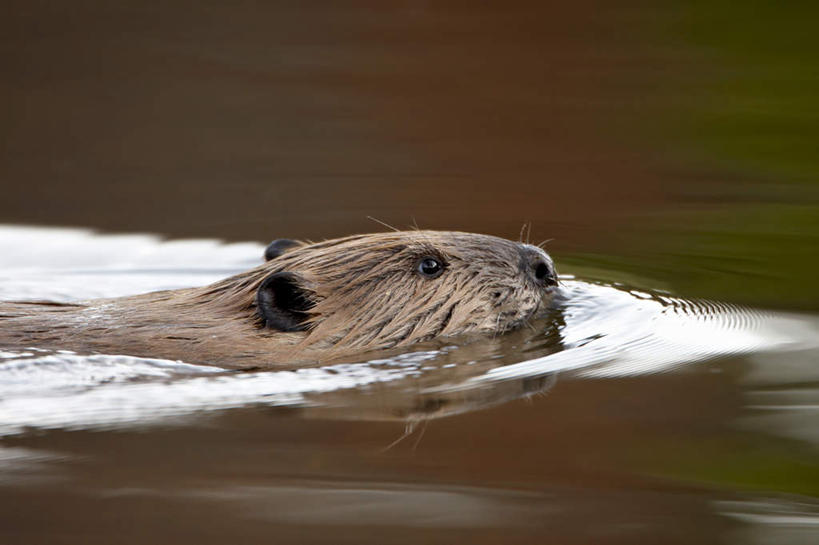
{"points": [[665, 149]]}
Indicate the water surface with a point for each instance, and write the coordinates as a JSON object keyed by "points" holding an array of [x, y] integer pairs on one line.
{"points": [[620, 404]]}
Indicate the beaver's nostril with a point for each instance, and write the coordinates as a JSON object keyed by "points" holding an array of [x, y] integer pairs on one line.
{"points": [[541, 270]]}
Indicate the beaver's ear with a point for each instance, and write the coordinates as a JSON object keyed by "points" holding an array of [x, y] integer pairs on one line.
{"points": [[279, 246], [283, 303]]}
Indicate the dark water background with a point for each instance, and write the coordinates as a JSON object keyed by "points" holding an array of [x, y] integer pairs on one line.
{"points": [[667, 147]]}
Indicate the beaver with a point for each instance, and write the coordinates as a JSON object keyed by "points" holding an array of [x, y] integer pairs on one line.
{"points": [[309, 303]]}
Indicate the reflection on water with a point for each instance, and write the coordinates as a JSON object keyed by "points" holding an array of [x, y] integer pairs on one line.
{"points": [[774, 520]]}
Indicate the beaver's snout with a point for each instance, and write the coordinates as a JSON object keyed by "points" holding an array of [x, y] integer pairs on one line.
{"points": [[538, 265]]}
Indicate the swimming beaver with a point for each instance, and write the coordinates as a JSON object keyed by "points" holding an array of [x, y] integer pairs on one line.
{"points": [[309, 303]]}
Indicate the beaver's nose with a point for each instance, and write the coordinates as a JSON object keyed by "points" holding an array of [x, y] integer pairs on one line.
{"points": [[538, 265]]}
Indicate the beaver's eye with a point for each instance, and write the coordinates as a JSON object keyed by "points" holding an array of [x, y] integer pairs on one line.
{"points": [[430, 267]]}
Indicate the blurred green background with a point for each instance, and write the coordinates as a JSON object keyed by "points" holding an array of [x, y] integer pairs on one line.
{"points": [[743, 122]]}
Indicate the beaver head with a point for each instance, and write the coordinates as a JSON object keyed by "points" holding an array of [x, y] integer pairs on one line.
{"points": [[392, 289]]}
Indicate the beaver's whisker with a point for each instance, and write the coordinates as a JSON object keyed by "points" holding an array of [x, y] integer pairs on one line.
{"points": [[385, 224], [547, 241], [528, 324]]}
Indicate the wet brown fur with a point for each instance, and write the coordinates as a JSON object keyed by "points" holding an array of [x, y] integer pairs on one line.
{"points": [[366, 291]]}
